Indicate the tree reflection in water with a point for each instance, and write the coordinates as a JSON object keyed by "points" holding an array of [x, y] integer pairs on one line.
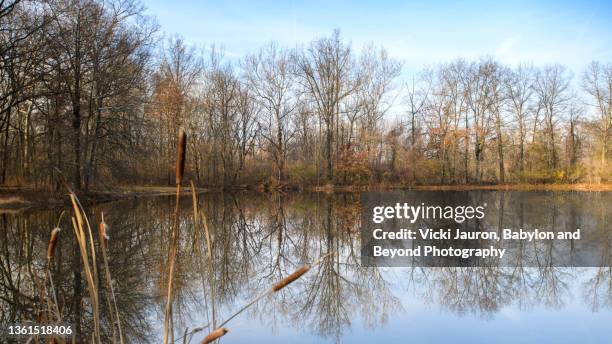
{"points": [[260, 238]]}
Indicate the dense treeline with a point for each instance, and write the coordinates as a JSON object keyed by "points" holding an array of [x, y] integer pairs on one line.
{"points": [[90, 89]]}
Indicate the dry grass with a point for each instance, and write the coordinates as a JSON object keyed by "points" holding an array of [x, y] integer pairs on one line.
{"points": [[85, 241], [79, 223]]}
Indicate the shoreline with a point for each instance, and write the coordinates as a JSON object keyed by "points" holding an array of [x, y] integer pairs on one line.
{"points": [[18, 199], [22, 198], [469, 187]]}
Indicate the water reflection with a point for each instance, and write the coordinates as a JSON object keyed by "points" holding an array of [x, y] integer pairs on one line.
{"points": [[258, 239]]}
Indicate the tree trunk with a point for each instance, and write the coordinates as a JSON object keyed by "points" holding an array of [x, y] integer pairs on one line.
{"points": [[281, 152], [522, 154], [467, 149], [76, 108], [330, 140], [412, 146], [500, 151], [90, 171], [553, 152], [5, 152], [604, 148], [76, 142]]}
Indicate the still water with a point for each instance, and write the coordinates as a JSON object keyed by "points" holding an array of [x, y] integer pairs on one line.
{"points": [[258, 239]]}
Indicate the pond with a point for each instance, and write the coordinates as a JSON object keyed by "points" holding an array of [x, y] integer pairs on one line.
{"points": [[258, 239]]}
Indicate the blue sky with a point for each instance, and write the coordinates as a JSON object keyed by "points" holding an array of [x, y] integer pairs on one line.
{"points": [[420, 34]]}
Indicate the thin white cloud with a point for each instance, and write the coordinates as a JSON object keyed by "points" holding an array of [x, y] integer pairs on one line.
{"points": [[507, 46]]}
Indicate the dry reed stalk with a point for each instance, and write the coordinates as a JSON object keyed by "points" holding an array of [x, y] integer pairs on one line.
{"points": [[210, 269], [194, 200], [197, 243], [91, 278], [104, 238], [82, 216], [77, 224], [186, 337], [50, 250], [180, 169], [196, 220], [275, 287], [214, 335], [171, 263]]}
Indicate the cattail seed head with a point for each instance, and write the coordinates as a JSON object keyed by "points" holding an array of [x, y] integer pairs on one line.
{"points": [[103, 232], [180, 161], [287, 280], [216, 334], [52, 242]]}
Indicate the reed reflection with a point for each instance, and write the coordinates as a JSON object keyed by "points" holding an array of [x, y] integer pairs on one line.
{"points": [[257, 239]]}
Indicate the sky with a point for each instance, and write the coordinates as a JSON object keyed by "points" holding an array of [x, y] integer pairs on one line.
{"points": [[420, 34]]}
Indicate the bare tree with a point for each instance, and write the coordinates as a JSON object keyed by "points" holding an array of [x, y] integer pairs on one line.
{"points": [[221, 95], [327, 75], [416, 98], [479, 101], [552, 87], [245, 124], [269, 77], [81, 91], [21, 61], [519, 88], [174, 84], [120, 55], [498, 99], [375, 94], [597, 82]]}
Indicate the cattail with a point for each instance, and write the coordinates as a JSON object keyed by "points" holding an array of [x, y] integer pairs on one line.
{"points": [[102, 231], [276, 287], [52, 242], [180, 162], [287, 280], [216, 334]]}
